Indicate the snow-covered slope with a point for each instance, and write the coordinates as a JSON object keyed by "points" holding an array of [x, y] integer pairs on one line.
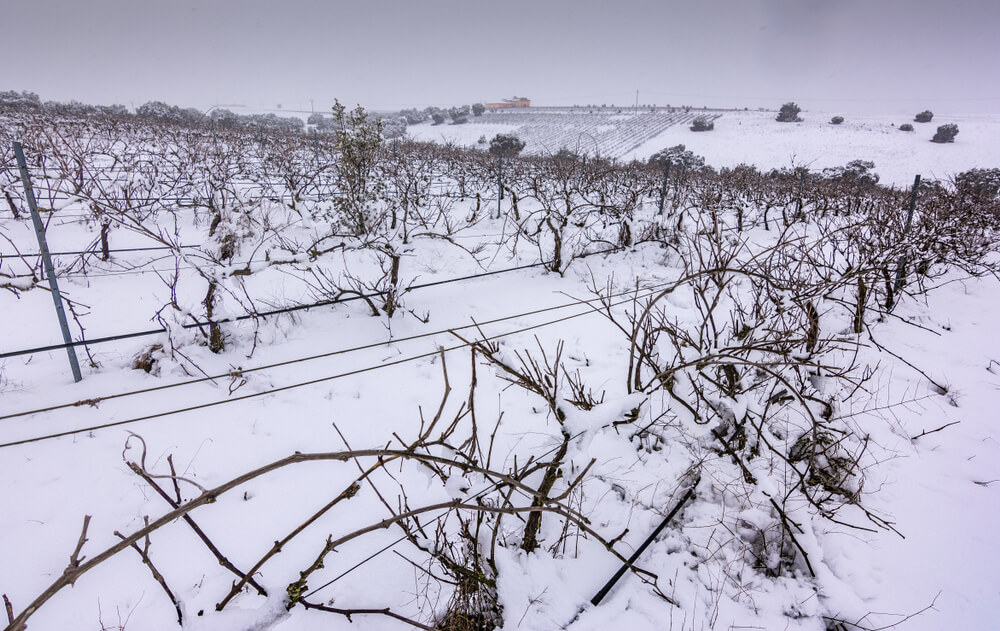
{"points": [[754, 137]]}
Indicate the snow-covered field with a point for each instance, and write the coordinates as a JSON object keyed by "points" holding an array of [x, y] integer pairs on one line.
{"points": [[754, 137], [607, 132], [338, 378]]}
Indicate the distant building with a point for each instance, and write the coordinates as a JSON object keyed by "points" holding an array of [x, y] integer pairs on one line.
{"points": [[517, 101]]}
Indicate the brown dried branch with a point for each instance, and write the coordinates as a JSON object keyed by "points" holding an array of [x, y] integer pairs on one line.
{"points": [[347, 493], [144, 553], [78, 567], [223, 561], [357, 612]]}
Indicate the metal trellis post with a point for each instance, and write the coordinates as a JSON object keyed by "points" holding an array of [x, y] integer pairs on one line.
{"points": [[802, 186], [500, 184], [663, 191], [47, 261], [901, 266]]}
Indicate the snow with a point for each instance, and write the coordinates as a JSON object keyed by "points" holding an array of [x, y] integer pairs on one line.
{"points": [[755, 138], [941, 490]]}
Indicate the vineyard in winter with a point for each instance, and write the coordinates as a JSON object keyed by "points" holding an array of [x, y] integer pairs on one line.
{"points": [[330, 381], [598, 131]]}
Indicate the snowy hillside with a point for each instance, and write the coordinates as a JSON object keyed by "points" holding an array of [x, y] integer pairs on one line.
{"points": [[602, 131], [751, 137]]}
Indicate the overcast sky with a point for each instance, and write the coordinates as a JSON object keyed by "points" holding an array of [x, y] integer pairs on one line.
{"points": [[844, 55]]}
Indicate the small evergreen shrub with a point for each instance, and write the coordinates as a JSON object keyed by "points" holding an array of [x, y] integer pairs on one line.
{"points": [[856, 171], [836, 120], [924, 116], [459, 115], [946, 133], [702, 124], [906, 127], [678, 155], [789, 113], [979, 184], [507, 144]]}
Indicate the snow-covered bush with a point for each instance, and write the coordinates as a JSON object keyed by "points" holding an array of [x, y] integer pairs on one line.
{"points": [[459, 115], [980, 184], [358, 140], [414, 116], [13, 100], [702, 124], [789, 113], [924, 117], [945, 133], [507, 144], [393, 127], [679, 156], [854, 172]]}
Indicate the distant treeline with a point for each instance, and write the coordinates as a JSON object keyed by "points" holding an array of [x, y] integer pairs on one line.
{"points": [[393, 124], [12, 100]]}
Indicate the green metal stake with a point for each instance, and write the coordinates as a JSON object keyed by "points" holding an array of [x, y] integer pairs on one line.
{"points": [[47, 261], [663, 191], [802, 185], [901, 266], [500, 184]]}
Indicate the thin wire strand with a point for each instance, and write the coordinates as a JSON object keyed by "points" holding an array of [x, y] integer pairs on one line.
{"points": [[94, 251], [94, 401], [293, 386], [263, 314]]}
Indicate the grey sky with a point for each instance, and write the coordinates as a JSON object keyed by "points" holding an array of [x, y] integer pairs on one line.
{"points": [[845, 55]]}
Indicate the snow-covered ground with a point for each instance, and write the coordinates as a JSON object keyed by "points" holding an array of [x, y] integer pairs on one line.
{"points": [[754, 137], [608, 132], [941, 491]]}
